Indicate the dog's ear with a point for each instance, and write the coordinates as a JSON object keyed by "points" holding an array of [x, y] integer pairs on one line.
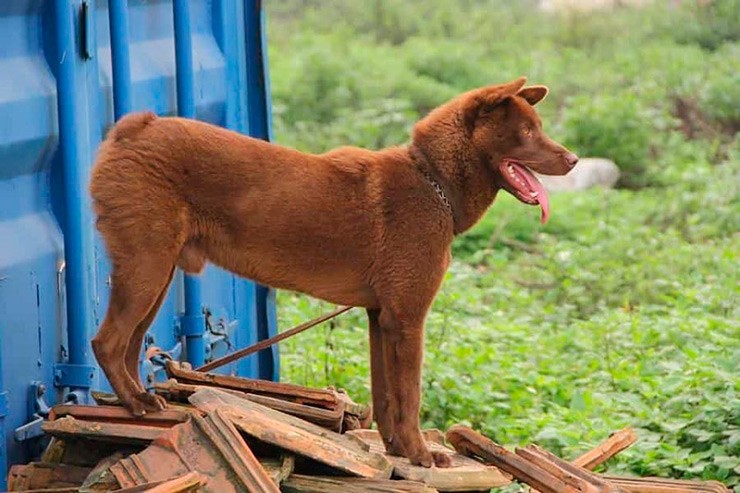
{"points": [[484, 100], [533, 94]]}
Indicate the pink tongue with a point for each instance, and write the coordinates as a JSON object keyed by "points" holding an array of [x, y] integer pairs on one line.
{"points": [[536, 186]]}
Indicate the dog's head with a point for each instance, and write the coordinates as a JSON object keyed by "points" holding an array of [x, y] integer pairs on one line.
{"points": [[497, 127]]}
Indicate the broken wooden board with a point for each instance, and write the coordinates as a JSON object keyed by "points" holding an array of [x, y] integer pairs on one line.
{"points": [[572, 475], [69, 427], [616, 443], [328, 418], [336, 401], [44, 475], [471, 443], [295, 393], [191, 481], [465, 474], [661, 485], [210, 445], [342, 452], [278, 468], [330, 484], [116, 414]]}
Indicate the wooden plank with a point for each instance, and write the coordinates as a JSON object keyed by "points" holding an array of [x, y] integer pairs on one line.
{"points": [[278, 468], [342, 452], [616, 443], [465, 474], [211, 446], [662, 485], [330, 484], [471, 443], [69, 427], [295, 393], [328, 418]]}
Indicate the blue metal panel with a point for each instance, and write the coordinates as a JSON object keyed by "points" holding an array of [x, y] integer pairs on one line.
{"points": [[56, 103]]}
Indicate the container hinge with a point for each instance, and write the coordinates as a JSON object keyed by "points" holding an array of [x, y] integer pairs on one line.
{"points": [[74, 376], [37, 409]]}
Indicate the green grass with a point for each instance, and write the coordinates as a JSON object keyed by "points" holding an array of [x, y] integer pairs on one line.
{"points": [[623, 310]]}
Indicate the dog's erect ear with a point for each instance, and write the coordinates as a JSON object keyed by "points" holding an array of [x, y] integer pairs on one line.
{"points": [[534, 94], [484, 100]]}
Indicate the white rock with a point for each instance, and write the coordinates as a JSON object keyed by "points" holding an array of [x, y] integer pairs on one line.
{"points": [[588, 173]]}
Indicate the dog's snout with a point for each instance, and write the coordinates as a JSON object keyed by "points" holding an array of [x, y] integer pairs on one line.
{"points": [[571, 159]]}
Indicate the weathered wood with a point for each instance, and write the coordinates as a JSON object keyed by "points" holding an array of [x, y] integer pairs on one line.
{"points": [[574, 480], [465, 474], [471, 443], [69, 427], [610, 447], [342, 452], [116, 414], [294, 393], [329, 484], [210, 445], [43, 475], [662, 485], [328, 418], [278, 468], [188, 482]]}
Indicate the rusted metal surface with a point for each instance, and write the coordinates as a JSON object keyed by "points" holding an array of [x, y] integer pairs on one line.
{"points": [[242, 353], [464, 474], [661, 485], [329, 484], [342, 452], [210, 445], [69, 427], [616, 443], [116, 414], [44, 475]]}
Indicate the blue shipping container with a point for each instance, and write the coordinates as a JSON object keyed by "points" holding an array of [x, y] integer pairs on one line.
{"points": [[68, 69]]}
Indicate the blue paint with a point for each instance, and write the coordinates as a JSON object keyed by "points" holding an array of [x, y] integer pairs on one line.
{"points": [[119, 42], [260, 126], [50, 303], [193, 319], [75, 373]]}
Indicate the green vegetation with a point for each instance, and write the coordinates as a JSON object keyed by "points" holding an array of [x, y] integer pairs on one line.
{"points": [[623, 309]]}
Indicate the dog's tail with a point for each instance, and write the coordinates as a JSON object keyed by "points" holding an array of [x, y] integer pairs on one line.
{"points": [[130, 125]]}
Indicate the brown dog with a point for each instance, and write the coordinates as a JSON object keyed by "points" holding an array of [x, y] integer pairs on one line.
{"points": [[352, 226]]}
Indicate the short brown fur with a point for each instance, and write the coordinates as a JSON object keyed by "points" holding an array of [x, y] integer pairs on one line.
{"points": [[351, 226]]}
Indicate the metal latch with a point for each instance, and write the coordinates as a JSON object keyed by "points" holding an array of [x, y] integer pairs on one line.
{"points": [[38, 409]]}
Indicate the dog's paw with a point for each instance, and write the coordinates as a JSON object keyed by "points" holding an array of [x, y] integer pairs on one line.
{"points": [[442, 460], [423, 458], [392, 447], [144, 402]]}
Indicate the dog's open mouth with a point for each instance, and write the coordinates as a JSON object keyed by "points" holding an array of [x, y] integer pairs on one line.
{"points": [[521, 183]]}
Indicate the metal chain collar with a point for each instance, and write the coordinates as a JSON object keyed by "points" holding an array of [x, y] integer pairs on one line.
{"points": [[440, 191]]}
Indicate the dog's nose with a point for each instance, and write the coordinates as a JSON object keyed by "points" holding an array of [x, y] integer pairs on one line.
{"points": [[571, 159]]}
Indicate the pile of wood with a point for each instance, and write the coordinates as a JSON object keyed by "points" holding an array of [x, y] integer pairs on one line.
{"points": [[229, 434]]}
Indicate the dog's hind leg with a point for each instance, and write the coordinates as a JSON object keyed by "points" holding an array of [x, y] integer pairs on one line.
{"points": [[133, 351], [136, 286], [383, 417]]}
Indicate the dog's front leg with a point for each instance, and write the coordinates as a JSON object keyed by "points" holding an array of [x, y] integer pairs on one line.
{"points": [[381, 400], [403, 346]]}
